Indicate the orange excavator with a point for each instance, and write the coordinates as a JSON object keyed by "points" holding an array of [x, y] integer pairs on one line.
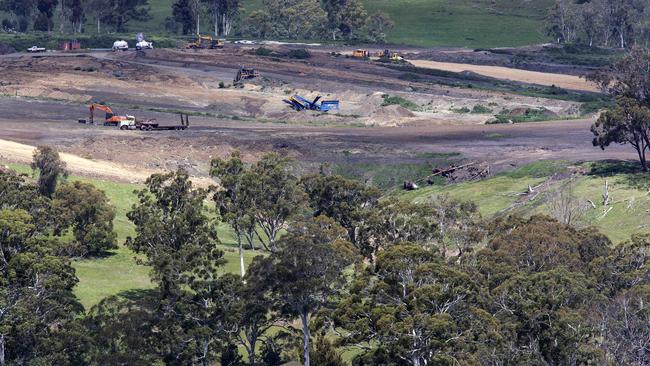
{"points": [[111, 119]]}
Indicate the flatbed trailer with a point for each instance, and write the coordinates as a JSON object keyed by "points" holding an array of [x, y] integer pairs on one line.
{"points": [[153, 125]]}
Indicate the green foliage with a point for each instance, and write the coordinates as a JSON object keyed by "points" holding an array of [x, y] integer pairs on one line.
{"points": [[50, 167], [305, 272], [481, 109], [231, 357], [397, 100], [461, 110], [341, 199], [628, 123], [37, 305], [263, 51], [258, 200], [91, 216], [323, 353], [119, 13], [300, 54]]}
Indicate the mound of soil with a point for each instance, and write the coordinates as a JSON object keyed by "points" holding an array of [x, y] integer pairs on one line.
{"points": [[6, 49], [392, 111]]}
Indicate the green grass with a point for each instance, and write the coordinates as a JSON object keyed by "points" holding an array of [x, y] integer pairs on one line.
{"points": [[468, 23], [628, 191]]}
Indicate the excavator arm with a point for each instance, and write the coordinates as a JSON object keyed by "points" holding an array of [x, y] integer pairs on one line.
{"points": [[101, 107]]}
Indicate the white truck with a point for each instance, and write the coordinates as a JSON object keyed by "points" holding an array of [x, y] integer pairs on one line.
{"points": [[35, 49], [121, 45], [144, 45]]}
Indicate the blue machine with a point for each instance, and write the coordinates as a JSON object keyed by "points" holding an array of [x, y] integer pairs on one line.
{"points": [[299, 103]]}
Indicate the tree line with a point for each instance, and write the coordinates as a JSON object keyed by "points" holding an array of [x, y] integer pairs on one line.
{"points": [[338, 268], [286, 19], [283, 19], [603, 23]]}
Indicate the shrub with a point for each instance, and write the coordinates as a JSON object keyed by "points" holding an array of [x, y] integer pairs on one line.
{"points": [[462, 110], [263, 51], [301, 54], [481, 109], [397, 100]]}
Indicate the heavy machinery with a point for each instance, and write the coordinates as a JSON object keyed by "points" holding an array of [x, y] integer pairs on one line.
{"points": [[360, 53], [391, 56], [121, 45], [246, 73], [152, 125], [299, 103], [141, 43], [110, 119], [206, 42]]}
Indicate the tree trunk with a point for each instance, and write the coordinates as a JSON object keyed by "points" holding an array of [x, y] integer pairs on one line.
{"points": [[642, 159], [251, 351], [622, 37], [2, 350], [241, 256], [62, 18], [305, 337], [98, 25]]}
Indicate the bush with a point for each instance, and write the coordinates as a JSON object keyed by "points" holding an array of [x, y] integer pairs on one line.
{"points": [[222, 85], [263, 51], [481, 109], [397, 100], [301, 54], [462, 110]]}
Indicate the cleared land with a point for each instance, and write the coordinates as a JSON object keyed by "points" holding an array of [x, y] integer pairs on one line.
{"points": [[532, 77]]}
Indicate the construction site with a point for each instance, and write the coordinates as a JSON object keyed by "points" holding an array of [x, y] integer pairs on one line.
{"points": [[159, 109]]}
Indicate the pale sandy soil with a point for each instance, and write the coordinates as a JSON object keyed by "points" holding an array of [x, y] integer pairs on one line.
{"points": [[21, 153], [533, 77]]}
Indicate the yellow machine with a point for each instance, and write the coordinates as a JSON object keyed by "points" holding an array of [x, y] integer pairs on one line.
{"points": [[206, 42], [360, 54]]}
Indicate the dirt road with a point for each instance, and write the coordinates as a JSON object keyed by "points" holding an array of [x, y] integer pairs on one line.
{"points": [[524, 76]]}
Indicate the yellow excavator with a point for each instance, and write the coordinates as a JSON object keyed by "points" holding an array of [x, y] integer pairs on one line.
{"points": [[203, 42], [110, 119]]}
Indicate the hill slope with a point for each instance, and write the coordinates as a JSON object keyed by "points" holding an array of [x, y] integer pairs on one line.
{"points": [[469, 23]]}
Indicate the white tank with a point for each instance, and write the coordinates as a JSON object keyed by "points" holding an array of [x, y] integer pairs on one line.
{"points": [[120, 45]]}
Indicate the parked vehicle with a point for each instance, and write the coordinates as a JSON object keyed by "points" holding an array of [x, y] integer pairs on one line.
{"points": [[144, 45], [35, 49], [120, 46]]}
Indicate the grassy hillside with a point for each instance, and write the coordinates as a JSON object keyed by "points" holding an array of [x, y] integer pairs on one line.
{"points": [[470, 23], [498, 195], [118, 271]]}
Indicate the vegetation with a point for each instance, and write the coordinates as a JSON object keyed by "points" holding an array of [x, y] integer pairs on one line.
{"points": [[50, 168], [400, 101], [436, 268], [421, 22], [629, 122], [600, 22]]}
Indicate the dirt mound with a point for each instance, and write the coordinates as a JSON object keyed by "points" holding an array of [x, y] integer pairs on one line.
{"points": [[6, 49], [392, 111]]}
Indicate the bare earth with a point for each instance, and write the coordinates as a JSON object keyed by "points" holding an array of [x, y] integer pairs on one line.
{"points": [[524, 76], [42, 97]]}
